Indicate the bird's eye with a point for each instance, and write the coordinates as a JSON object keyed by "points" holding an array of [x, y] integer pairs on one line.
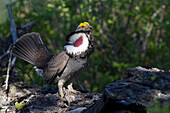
{"points": [[82, 26]]}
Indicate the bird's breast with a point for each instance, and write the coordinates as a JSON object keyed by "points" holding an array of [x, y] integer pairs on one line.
{"points": [[74, 68]]}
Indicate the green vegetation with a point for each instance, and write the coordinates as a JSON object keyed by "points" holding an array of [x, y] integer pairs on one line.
{"points": [[127, 33], [158, 108], [19, 105]]}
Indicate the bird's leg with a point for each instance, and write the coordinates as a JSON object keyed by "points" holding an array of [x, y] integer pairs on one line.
{"points": [[70, 88], [60, 87]]}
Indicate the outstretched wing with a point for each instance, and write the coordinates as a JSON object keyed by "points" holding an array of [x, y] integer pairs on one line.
{"points": [[55, 66]]}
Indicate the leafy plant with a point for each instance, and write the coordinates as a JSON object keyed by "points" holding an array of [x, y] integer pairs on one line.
{"points": [[127, 33]]}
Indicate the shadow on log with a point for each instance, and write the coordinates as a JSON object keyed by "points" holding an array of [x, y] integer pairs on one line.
{"points": [[139, 88]]}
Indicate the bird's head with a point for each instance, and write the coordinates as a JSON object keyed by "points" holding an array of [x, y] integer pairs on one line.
{"points": [[84, 27], [79, 41]]}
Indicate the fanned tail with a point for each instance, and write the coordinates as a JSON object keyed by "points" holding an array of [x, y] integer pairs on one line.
{"points": [[31, 48]]}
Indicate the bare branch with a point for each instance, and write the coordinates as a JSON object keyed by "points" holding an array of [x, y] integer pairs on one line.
{"points": [[26, 73], [25, 28], [14, 36], [5, 54], [9, 67], [14, 32], [13, 28]]}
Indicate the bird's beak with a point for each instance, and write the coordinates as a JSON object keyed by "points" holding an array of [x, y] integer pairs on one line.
{"points": [[90, 27]]}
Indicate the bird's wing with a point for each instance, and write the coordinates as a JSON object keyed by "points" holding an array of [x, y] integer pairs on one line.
{"points": [[55, 66]]}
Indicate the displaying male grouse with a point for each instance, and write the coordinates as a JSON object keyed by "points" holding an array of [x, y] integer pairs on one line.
{"points": [[63, 66]]}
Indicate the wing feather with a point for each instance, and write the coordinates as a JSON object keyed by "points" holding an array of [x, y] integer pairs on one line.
{"points": [[55, 66]]}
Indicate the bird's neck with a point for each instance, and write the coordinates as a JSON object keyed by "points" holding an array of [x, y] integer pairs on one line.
{"points": [[77, 44]]}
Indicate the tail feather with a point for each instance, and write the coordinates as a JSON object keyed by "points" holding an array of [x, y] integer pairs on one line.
{"points": [[24, 51], [31, 48], [28, 46], [19, 53]]}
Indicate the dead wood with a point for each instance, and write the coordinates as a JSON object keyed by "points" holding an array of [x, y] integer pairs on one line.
{"points": [[139, 88]]}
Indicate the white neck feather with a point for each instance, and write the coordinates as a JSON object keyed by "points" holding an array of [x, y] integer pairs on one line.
{"points": [[71, 49]]}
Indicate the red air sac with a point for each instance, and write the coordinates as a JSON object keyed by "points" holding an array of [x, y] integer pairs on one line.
{"points": [[78, 42]]}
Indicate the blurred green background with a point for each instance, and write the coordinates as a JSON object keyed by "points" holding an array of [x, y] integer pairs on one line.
{"points": [[127, 33]]}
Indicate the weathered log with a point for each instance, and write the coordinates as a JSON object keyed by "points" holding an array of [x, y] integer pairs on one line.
{"points": [[138, 89], [38, 99]]}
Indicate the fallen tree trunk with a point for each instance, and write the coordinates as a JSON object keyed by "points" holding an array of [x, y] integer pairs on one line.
{"points": [[138, 89]]}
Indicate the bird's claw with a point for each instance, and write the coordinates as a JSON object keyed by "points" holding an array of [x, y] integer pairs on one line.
{"points": [[75, 91], [70, 88]]}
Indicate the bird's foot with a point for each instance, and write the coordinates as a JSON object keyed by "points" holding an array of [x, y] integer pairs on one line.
{"points": [[70, 88], [60, 86], [75, 91], [61, 96]]}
